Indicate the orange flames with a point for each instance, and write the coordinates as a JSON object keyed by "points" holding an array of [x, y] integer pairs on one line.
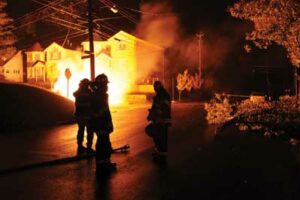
{"points": [[119, 81]]}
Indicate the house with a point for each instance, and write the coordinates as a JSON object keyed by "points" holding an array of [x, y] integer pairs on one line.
{"points": [[13, 68], [36, 71], [131, 57], [131, 64], [1, 69]]}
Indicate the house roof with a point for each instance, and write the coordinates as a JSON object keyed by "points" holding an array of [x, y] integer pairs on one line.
{"points": [[3, 62], [121, 34], [38, 61], [36, 47], [59, 46]]}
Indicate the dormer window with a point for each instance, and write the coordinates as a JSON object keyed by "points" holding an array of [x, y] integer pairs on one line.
{"points": [[37, 57], [55, 54], [122, 46]]}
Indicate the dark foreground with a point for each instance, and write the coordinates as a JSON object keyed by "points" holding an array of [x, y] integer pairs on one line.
{"points": [[200, 166]]}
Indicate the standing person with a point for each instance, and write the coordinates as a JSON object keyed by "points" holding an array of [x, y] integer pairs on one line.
{"points": [[83, 115], [160, 115], [102, 125]]}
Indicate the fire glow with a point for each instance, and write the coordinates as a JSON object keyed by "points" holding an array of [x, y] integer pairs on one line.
{"points": [[119, 82]]}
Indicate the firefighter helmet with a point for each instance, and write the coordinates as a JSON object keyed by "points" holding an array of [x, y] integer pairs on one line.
{"points": [[84, 82], [102, 79]]}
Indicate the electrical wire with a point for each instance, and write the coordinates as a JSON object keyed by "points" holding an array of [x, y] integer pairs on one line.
{"points": [[34, 12], [67, 35], [147, 13], [42, 17], [120, 10], [59, 38]]}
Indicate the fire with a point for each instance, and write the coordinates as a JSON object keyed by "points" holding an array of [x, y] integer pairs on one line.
{"points": [[119, 81]]}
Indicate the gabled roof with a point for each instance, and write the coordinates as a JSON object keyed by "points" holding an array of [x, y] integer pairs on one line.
{"points": [[36, 47], [54, 44], [3, 62], [106, 50], [36, 62], [122, 34], [58, 46]]}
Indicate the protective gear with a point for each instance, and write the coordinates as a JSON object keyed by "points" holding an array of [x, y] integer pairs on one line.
{"points": [[101, 79], [84, 83], [102, 125], [83, 114], [159, 115]]}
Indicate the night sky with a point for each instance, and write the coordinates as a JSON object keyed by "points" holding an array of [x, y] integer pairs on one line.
{"points": [[233, 72]]}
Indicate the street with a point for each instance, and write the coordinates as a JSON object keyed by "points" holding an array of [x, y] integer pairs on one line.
{"points": [[200, 166], [137, 177]]}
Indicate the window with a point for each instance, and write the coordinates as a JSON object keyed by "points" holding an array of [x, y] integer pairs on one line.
{"points": [[37, 57], [55, 54], [122, 46]]}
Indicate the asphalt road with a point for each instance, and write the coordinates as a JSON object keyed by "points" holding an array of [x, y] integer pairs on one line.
{"points": [[199, 165]]}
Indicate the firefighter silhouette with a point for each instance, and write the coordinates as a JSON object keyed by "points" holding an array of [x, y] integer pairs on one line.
{"points": [[83, 115], [160, 116], [102, 124]]}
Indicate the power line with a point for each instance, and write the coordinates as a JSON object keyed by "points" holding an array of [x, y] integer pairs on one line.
{"points": [[120, 10], [35, 12], [59, 38], [43, 36], [147, 13], [42, 14], [62, 10]]}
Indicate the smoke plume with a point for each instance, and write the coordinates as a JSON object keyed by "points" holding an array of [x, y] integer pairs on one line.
{"points": [[160, 25]]}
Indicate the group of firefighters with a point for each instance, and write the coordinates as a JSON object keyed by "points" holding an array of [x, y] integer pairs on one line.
{"points": [[93, 114]]}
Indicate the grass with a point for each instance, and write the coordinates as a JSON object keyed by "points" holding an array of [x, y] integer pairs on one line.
{"points": [[28, 107]]}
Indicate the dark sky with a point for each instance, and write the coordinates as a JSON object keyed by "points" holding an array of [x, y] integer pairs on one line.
{"points": [[194, 14], [234, 72]]}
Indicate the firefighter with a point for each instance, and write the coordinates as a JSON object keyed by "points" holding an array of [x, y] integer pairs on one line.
{"points": [[83, 115], [160, 116], [102, 124]]}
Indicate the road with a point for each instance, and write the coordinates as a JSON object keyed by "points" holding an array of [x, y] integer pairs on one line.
{"points": [[137, 176], [200, 166]]}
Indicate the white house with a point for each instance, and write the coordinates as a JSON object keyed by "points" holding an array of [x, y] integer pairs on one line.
{"points": [[13, 68], [126, 59]]}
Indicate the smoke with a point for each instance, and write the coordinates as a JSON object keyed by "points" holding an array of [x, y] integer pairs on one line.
{"points": [[162, 30], [160, 25]]}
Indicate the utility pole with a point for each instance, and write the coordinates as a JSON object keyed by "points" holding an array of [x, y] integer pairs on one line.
{"points": [[296, 81], [91, 39], [200, 36]]}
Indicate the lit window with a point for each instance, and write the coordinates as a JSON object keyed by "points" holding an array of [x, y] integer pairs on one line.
{"points": [[55, 55], [122, 46], [37, 57]]}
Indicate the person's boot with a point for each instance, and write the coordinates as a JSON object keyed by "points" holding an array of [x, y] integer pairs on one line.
{"points": [[81, 149]]}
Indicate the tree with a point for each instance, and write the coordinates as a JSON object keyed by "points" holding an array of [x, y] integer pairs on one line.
{"points": [[275, 21], [186, 81], [7, 38]]}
